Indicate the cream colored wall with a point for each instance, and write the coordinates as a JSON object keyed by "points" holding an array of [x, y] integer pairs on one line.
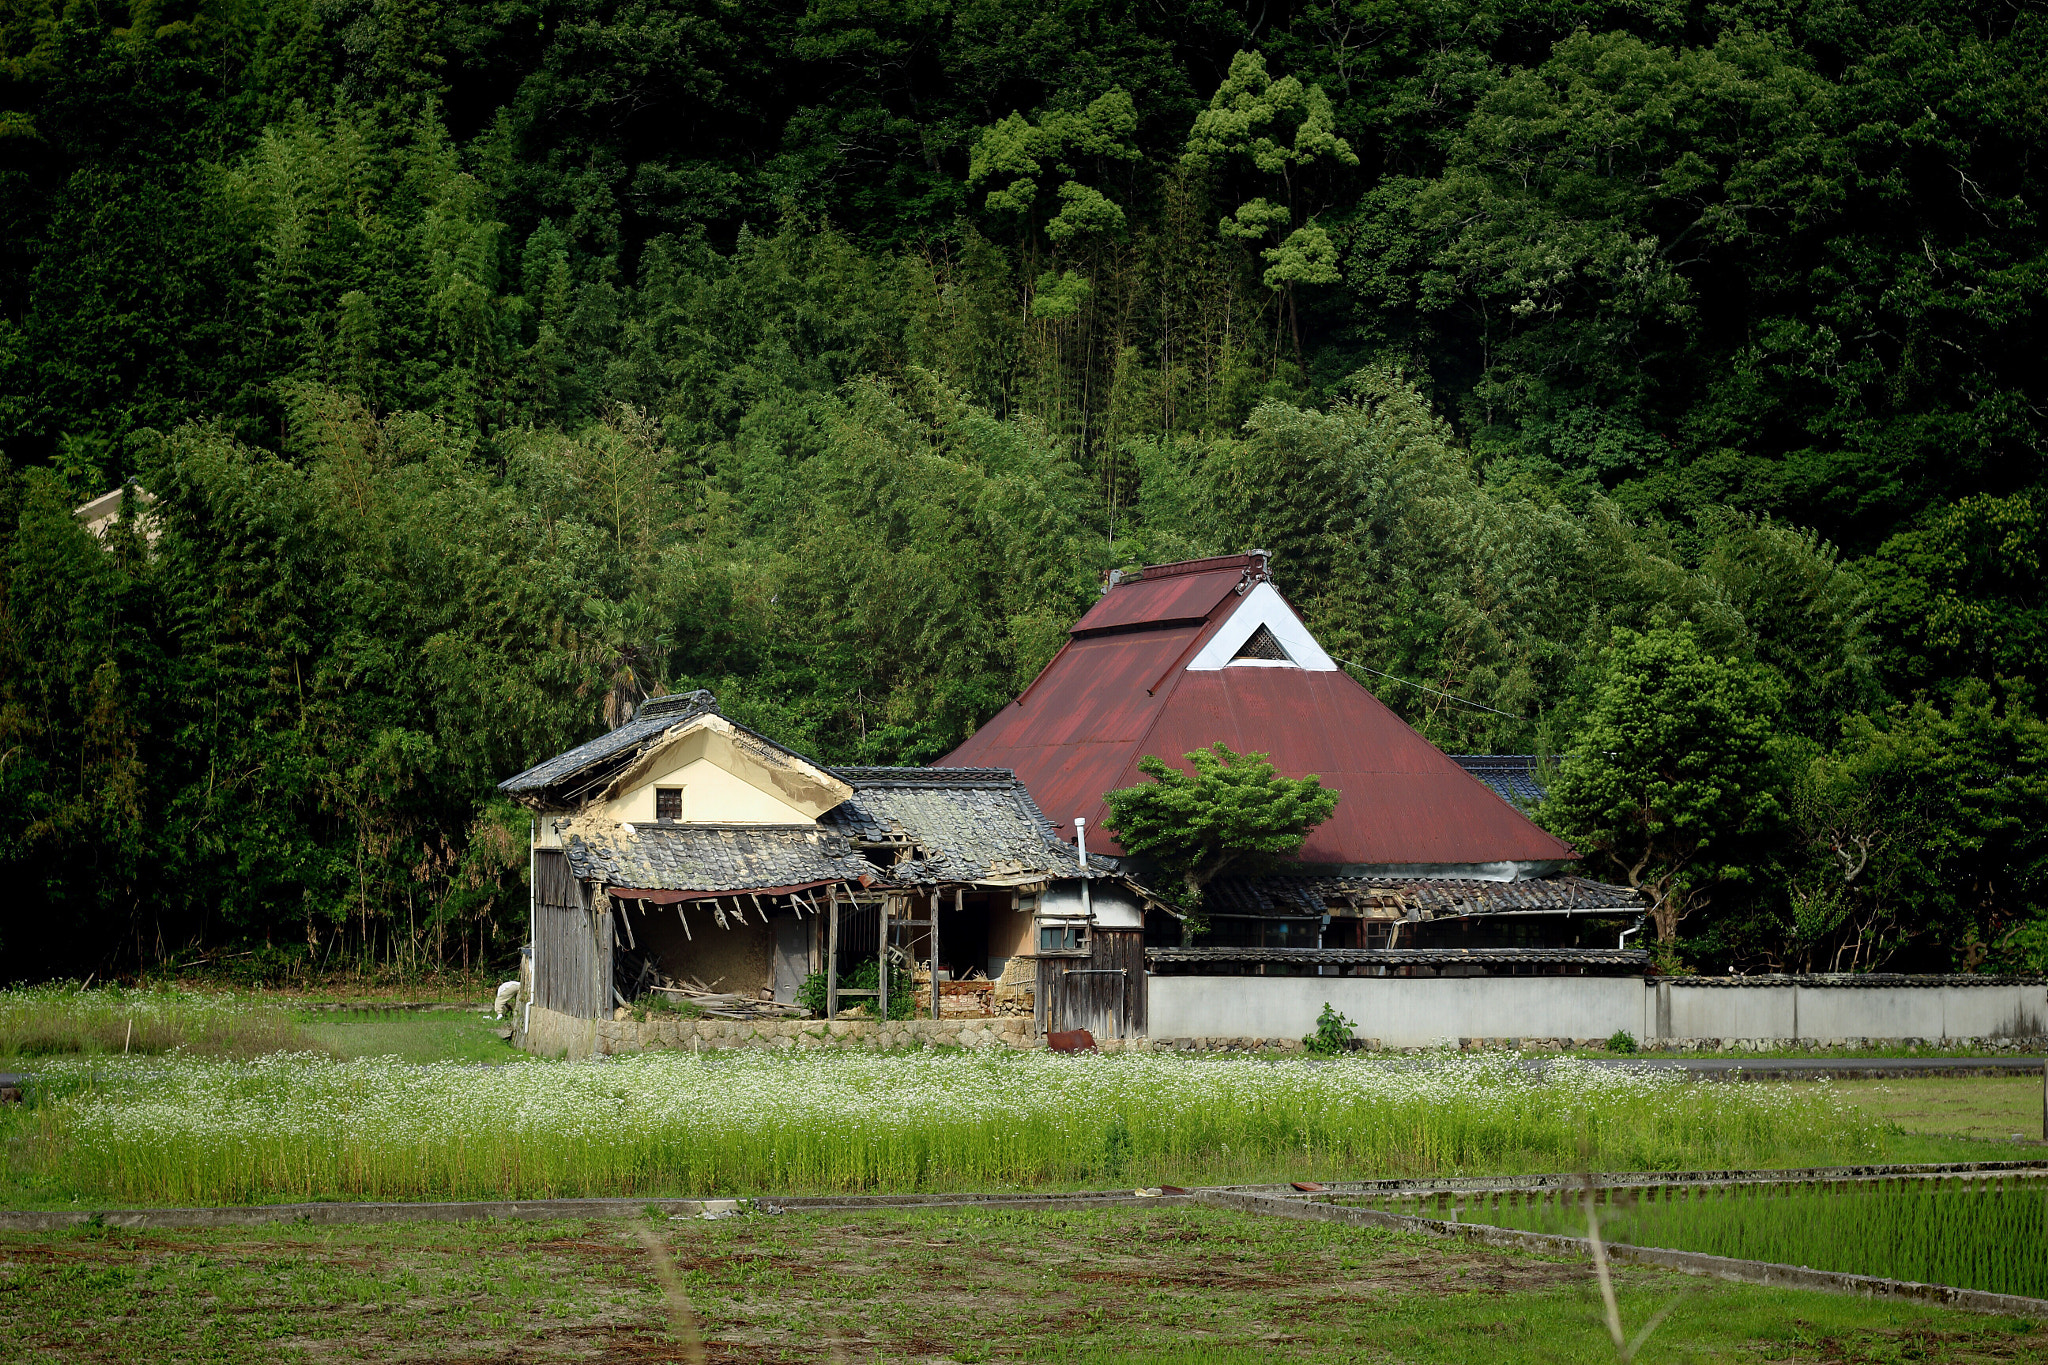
{"points": [[711, 795], [1014, 930], [752, 783]]}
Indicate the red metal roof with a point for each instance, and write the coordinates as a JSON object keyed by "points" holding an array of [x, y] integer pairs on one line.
{"points": [[1081, 728], [1182, 598]]}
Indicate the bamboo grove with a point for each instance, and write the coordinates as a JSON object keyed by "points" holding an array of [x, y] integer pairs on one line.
{"points": [[493, 367]]}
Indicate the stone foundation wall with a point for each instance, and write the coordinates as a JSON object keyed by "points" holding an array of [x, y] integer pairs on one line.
{"points": [[559, 1035]]}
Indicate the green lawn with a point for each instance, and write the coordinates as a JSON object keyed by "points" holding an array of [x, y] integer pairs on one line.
{"points": [[456, 1035], [1991, 1108], [1153, 1285]]}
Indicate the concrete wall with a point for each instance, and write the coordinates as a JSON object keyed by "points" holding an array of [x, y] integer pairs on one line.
{"points": [[1404, 1012], [1398, 1011], [1933, 1012]]}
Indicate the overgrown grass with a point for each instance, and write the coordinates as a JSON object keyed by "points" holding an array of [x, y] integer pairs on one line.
{"points": [[464, 1035], [197, 1131], [1978, 1233], [64, 1020]]}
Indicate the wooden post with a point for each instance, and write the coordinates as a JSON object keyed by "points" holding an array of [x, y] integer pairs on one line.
{"points": [[832, 957], [882, 962], [935, 945]]}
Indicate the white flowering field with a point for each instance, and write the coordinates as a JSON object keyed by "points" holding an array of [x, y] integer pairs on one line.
{"points": [[179, 1130]]}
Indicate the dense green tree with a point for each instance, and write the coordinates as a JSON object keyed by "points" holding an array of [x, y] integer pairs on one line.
{"points": [[1231, 813], [1672, 779]]}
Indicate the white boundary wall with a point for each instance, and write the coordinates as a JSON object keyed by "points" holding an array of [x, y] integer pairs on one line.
{"points": [[1424, 1012]]}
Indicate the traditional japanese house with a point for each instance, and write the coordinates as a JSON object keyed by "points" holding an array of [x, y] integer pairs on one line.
{"points": [[1422, 856], [683, 850]]}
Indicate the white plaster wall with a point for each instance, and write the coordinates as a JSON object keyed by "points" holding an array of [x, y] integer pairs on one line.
{"points": [[1404, 1012], [1878, 1012], [711, 796], [2011, 1012], [1400, 1012], [1733, 1012]]}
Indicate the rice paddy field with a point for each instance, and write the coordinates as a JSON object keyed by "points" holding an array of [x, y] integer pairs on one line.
{"points": [[182, 1130], [1157, 1286], [1974, 1232]]}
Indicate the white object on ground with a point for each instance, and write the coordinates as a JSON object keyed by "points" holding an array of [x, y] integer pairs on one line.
{"points": [[507, 994]]}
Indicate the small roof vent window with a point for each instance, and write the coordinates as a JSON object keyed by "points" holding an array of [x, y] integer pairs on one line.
{"points": [[1262, 645]]}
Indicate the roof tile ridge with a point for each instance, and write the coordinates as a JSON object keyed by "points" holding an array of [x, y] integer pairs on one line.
{"points": [[1183, 568]]}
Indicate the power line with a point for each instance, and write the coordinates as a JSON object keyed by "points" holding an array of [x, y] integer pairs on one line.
{"points": [[1476, 706]]}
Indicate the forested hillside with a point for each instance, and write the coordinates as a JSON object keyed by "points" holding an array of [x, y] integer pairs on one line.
{"points": [[495, 366]]}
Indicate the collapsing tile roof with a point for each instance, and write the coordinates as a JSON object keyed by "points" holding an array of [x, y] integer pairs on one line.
{"points": [[600, 758], [1291, 897], [712, 858], [955, 824], [949, 825]]}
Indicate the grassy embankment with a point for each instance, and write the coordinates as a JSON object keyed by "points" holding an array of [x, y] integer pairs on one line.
{"points": [[1153, 1287]]}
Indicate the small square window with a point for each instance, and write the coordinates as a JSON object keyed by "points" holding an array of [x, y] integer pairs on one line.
{"points": [[668, 803], [1060, 938]]}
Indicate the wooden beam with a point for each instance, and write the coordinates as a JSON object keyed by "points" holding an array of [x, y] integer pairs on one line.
{"points": [[832, 958], [882, 961]]}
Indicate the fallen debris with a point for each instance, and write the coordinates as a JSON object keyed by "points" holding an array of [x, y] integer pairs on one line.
{"points": [[729, 1004]]}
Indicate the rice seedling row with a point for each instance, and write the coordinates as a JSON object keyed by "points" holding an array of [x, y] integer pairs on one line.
{"points": [[1973, 1232]]}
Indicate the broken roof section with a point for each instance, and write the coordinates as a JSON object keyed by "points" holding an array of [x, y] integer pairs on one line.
{"points": [[663, 734], [1158, 666], [954, 824], [896, 827], [1296, 897], [666, 863]]}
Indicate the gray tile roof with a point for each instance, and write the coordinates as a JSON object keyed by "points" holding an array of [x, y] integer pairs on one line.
{"points": [[1513, 776], [1280, 896], [965, 824], [1631, 959], [650, 722], [971, 823], [568, 777], [715, 857]]}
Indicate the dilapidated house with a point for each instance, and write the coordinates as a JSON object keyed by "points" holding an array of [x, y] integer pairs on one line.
{"points": [[685, 852]]}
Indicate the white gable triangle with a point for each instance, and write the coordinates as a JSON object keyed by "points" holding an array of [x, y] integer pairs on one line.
{"points": [[1263, 606]]}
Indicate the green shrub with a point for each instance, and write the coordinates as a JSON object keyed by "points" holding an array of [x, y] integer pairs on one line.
{"points": [[902, 990], [661, 1003], [1623, 1041], [1332, 1037]]}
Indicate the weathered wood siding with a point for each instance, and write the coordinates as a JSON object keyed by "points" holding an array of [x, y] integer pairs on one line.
{"points": [[1086, 992], [572, 948]]}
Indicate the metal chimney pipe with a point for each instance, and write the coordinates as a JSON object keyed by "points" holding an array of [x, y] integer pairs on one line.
{"points": [[1081, 847]]}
